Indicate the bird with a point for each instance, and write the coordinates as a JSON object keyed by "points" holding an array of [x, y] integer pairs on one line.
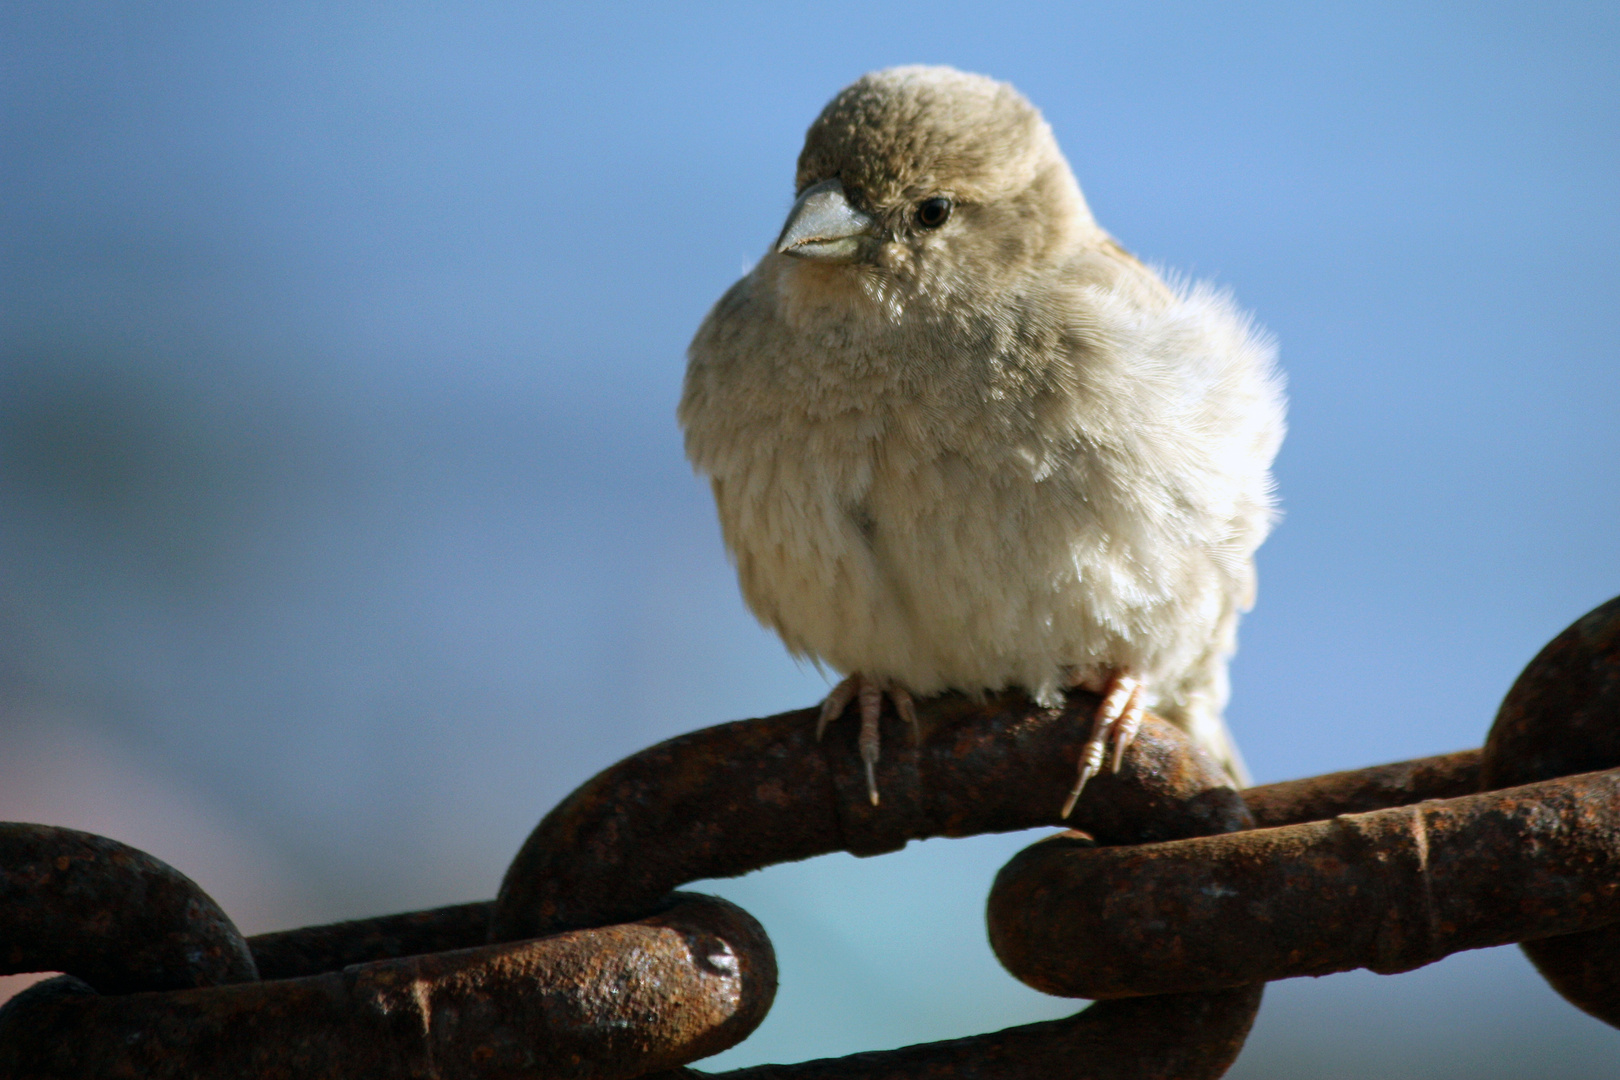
{"points": [[959, 439]]}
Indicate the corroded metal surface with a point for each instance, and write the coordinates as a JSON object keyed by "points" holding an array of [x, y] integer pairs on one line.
{"points": [[1389, 890], [484, 1012], [609, 1003], [109, 914], [310, 950], [1387, 868], [1182, 1037], [1561, 716], [1358, 790], [733, 798]]}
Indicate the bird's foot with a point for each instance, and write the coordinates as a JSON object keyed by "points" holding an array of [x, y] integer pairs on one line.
{"points": [[1115, 723], [869, 692]]}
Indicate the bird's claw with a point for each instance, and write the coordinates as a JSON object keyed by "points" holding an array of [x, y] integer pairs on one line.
{"points": [[869, 693], [835, 703], [1116, 722]]}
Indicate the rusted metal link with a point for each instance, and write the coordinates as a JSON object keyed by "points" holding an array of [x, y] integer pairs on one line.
{"points": [[1182, 1037], [466, 1013], [1562, 714], [1388, 886], [609, 1003], [729, 799], [109, 914], [1388, 890], [1575, 679], [310, 950], [1358, 790], [741, 796]]}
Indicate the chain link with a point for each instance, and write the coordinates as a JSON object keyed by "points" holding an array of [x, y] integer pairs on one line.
{"points": [[1164, 902]]}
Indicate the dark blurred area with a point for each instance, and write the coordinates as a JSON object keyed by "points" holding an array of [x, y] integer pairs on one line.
{"points": [[344, 522]]}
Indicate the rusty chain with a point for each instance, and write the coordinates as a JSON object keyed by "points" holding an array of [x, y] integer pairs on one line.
{"points": [[1166, 904]]}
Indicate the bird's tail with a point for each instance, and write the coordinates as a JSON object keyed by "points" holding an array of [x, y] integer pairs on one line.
{"points": [[1225, 750], [1210, 732]]}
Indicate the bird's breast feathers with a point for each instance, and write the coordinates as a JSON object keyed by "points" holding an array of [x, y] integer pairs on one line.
{"points": [[1031, 498]]}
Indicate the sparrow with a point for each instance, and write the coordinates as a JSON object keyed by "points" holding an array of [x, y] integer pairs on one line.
{"points": [[960, 439]]}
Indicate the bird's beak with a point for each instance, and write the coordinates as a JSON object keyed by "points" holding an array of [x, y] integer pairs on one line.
{"points": [[822, 225]]}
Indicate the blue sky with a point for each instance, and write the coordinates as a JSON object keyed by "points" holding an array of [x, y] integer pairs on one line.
{"points": [[340, 488]]}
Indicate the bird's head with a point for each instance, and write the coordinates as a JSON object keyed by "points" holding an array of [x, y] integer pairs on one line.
{"points": [[920, 182]]}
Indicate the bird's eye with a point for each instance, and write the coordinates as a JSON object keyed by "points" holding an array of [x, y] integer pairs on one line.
{"points": [[932, 213]]}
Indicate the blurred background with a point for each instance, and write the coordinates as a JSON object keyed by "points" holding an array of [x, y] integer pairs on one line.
{"points": [[344, 523]]}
